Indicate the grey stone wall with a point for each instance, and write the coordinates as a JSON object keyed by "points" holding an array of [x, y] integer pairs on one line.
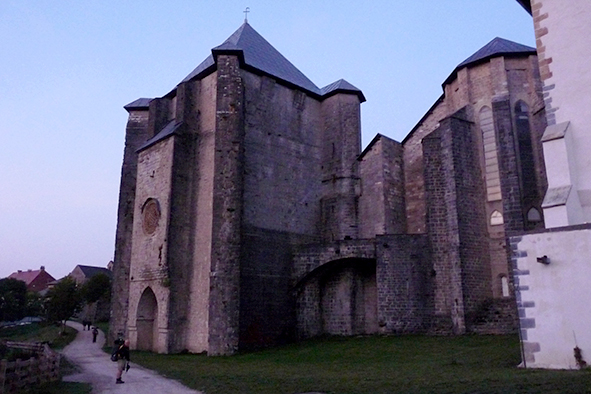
{"points": [[404, 283], [509, 168], [282, 187], [382, 201], [267, 305], [181, 231], [457, 223], [224, 298], [395, 215], [414, 184], [135, 135], [282, 157], [149, 258], [363, 287], [335, 288], [340, 298], [201, 120], [372, 202], [340, 174]]}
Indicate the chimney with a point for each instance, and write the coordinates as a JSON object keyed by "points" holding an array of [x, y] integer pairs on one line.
{"points": [[42, 268]]}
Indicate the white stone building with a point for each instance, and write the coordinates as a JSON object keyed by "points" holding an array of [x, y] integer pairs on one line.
{"points": [[552, 267]]}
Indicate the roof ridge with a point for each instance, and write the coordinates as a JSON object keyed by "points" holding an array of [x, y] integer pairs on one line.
{"points": [[259, 55], [496, 47], [341, 85]]}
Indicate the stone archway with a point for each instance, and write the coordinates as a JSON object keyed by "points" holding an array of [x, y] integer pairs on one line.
{"points": [[338, 298], [147, 312]]}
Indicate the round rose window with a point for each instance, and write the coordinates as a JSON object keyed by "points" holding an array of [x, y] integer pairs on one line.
{"points": [[151, 216]]}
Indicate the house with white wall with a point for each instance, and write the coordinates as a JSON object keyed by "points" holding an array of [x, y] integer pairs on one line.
{"points": [[552, 267]]}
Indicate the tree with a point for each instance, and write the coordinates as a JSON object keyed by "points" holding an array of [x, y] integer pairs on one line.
{"points": [[13, 299], [34, 304], [63, 300], [96, 287]]}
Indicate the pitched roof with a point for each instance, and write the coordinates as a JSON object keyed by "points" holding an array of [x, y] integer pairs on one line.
{"points": [[259, 55], [30, 275], [90, 271], [341, 86], [141, 103], [25, 276], [525, 4], [496, 47], [170, 129]]}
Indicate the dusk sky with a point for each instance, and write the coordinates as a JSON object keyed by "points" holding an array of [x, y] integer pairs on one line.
{"points": [[68, 67]]}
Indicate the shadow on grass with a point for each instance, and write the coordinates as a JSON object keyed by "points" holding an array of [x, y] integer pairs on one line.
{"points": [[404, 364]]}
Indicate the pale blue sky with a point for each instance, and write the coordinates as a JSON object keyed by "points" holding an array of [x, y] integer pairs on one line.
{"points": [[68, 67]]}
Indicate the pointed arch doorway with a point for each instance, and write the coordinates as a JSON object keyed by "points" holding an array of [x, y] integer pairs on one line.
{"points": [[147, 311]]}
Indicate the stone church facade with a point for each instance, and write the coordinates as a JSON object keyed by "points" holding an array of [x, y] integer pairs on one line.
{"points": [[249, 216]]}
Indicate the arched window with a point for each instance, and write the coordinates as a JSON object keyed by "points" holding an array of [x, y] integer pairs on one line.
{"points": [[496, 218], [533, 215], [491, 162], [504, 286], [528, 175]]}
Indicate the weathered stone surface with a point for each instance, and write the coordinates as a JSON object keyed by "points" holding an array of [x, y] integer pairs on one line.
{"points": [[249, 216]]}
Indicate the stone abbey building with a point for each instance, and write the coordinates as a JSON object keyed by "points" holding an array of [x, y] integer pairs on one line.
{"points": [[249, 216]]}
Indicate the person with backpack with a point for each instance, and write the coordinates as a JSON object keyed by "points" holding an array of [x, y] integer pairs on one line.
{"points": [[121, 356]]}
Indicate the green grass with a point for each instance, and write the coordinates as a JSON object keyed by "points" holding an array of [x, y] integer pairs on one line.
{"points": [[405, 364], [40, 332], [62, 388]]}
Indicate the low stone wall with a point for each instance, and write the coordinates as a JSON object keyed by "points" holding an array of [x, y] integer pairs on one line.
{"points": [[495, 316], [41, 368]]}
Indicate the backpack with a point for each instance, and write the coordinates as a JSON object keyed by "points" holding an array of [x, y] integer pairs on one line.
{"points": [[115, 355]]}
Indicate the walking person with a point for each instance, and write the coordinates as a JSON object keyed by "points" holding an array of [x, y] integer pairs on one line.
{"points": [[94, 334], [122, 356]]}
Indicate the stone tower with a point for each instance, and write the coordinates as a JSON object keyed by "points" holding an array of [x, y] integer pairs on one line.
{"points": [[249, 216], [221, 178], [475, 174]]}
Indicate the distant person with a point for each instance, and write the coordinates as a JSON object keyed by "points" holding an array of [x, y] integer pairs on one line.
{"points": [[94, 334], [84, 323], [122, 355]]}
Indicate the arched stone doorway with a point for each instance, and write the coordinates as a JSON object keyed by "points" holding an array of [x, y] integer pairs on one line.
{"points": [[338, 298], [147, 311]]}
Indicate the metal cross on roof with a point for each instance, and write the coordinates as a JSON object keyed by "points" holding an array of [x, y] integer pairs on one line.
{"points": [[246, 11]]}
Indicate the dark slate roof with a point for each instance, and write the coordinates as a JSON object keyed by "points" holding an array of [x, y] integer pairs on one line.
{"points": [[259, 55], [141, 103], [168, 130], [525, 4], [425, 116], [206, 66], [497, 47], [341, 86], [90, 271]]}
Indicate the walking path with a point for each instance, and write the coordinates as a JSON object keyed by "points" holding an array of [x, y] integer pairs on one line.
{"points": [[97, 369]]}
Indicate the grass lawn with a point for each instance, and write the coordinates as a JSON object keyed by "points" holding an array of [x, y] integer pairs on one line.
{"points": [[404, 364], [38, 332]]}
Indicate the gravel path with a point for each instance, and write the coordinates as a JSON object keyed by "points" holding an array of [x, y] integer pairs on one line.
{"points": [[97, 369]]}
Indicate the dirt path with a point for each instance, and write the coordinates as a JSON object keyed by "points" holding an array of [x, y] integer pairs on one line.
{"points": [[98, 370]]}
